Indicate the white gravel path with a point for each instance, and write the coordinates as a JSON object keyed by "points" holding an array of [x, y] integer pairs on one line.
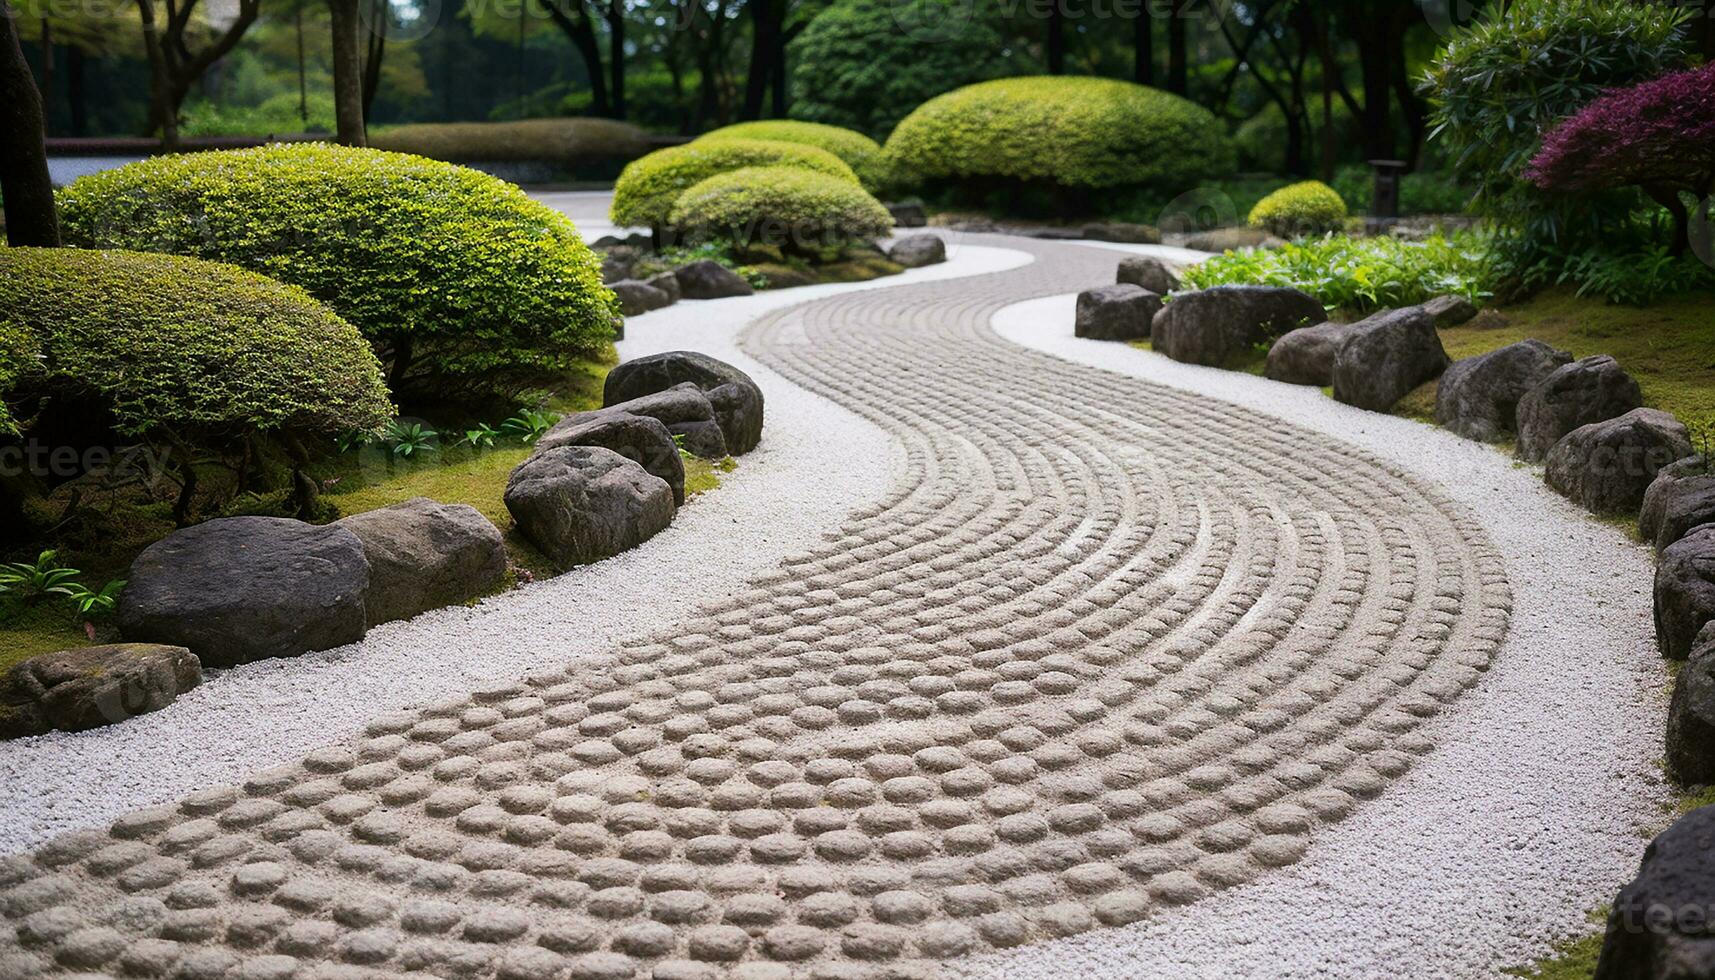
{"points": [[817, 462], [1544, 785]]}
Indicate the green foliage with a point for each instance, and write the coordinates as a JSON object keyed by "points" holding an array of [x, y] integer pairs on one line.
{"points": [[1261, 139], [1307, 208], [854, 65], [276, 114], [19, 353], [529, 425], [1068, 131], [649, 187], [1359, 274], [1424, 192], [794, 209], [171, 346], [568, 142], [1619, 271], [95, 605], [409, 438], [464, 285], [482, 436], [31, 582], [859, 152]]}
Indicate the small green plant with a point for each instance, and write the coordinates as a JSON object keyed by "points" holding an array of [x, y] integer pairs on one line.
{"points": [[529, 425], [345, 442], [1703, 443], [30, 582], [1360, 274], [679, 443], [1303, 209], [409, 438], [482, 437], [95, 605]]}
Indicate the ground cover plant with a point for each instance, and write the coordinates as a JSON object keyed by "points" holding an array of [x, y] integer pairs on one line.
{"points": [[1360, 274]]}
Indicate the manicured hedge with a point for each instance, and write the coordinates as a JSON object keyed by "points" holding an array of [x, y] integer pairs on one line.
{"points": [[647, 190], [165, 344], [1306, 208], [799, 209], [1070, 131], [858, 151], [464, 285], [19, 352], [563, 141]]}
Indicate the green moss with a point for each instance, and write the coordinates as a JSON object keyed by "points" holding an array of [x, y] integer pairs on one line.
{"points": [[39, 629], [1573, 959]]}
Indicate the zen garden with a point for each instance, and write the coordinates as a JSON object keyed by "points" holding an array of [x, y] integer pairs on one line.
{"points": [[857, 489]]}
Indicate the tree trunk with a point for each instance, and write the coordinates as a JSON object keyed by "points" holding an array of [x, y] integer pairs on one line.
{"points": [[376, 51], [347, 72], [303, 85], [1177, 77], [74, 91], [762, 28], [1143, 46], [1668, 198], [1056, 40], [582, 35], [616, 55], [27, 192], [778, 106], [47, 74], [1375, 54], [1410, 103]]}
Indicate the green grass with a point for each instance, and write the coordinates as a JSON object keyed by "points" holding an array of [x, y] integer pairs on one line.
{"points": [[1574, 959]]}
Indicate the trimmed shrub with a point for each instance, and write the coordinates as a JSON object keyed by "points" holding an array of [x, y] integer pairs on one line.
{"points": [[1074, 132], [1359, 274], [799, 210], [19, 352], [1306, 208], [859, 152], [177, 348], [649, 187], [464, 285], [568, 142]]}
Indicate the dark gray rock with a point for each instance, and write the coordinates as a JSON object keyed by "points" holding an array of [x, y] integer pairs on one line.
{"points": [[1123, 231], [580, 504], [1478, 396], [617, 262], [1219, 240], [637, 297], [1118, 312], [1681, 496], [708, 279], [424, 555], [908, 214], [1388, 355], [736, 399], [667, 282], [1691, 715], [1306, 356], [1606, 466], [1218, 326], [1590, 389], [639, 438], [685, 410], [1659, 927], [89, 687], [1450, 311], [1684, 591], [239, 589], [1149, 272], [916, 251]]}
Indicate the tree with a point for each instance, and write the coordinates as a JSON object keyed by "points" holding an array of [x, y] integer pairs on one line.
{"points": [[174, 66], [347, 72], [24, 184], [1659, 136]]}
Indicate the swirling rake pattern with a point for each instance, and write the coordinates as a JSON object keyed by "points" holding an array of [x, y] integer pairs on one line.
{"points": [[1108, 647]]}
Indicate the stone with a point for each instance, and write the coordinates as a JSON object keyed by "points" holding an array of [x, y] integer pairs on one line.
{"points": [[1658, 926], [617, 262], [1685, 592], [1606, 466], [916, 251], [1149, 272], [424, 555], [1219, 240], [580, 504], [1218, 326], [708, 279], [1691, 715], [1389, 354], [74, 690], [1590, 389], [667, 282], [639, 438], [1118, 312], [238, 589], [1478, 396], [685, 410], [637, 298], [736, 399], [908, 214], [1123, 231], [1681, 496], [1306, 356], [1449, 310]]}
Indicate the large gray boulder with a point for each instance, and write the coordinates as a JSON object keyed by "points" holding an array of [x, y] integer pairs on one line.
{"points": [[1306, 356], [1126, 232], [617, 261], [1149, 272], [88, 687], [668, 283], [684, 410], [1478, 396], [1691, 715], [580, 504], [1590, 389], [1450, 311], [1606, 466], [1218, 326], [908, 214], [1391, 353], [1119, 312], [639, 438], [736, 399], [239, 589], [424, 555], [916, 251], [637, 298], [1684, 591], [708, 279], [1681, 496], [1659, 924]]}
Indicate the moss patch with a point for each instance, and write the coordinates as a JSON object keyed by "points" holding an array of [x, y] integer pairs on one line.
{"points": [[1574, 959], [40, 629]]}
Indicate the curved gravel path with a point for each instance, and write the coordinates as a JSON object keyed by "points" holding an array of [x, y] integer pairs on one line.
{"points": [[1108, 647]]}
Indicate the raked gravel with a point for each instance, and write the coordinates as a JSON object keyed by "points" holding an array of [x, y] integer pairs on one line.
{"points": [[1544, 786]]}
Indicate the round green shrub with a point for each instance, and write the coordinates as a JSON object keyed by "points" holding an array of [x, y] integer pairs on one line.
{"points": [[1306, 208], [797, 209], [464, 285], [19, 352], [859, 152], [1070, 131], [181, 348], [648, 188]]}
